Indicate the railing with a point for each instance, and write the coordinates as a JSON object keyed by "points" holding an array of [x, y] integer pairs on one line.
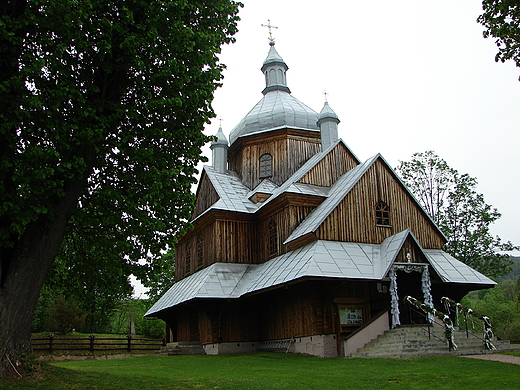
{"points": [[93, 343], [428, 325], [276, 345], [453, 310]]}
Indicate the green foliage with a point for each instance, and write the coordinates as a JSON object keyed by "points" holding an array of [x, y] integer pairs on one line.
{"points": [[103, 104], [65, 315], [132, 311], [501, 305], [501, 18], [161, 276], [114, 95], [460, 212]]}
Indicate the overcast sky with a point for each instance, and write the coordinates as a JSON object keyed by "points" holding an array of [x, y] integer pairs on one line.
{"points": [[403, 76]]}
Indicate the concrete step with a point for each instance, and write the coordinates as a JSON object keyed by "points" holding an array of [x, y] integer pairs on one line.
{"points": [[182, 348], [411, 342]]}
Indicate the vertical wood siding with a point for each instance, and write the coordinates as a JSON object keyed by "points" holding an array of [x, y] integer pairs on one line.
{"points": [[289, 153], [234, 242], [209, 240], [286, 221], [354, 218], [206, 196], [336, 163]]}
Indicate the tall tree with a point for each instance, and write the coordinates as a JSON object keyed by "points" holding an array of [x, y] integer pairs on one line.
{"points": [[501, 18], [460, 212], [102, 107]]}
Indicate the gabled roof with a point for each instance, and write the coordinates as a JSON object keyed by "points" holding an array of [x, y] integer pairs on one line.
{"points": [[318, 259], [338, 191], [266, 186], [304, 169], [235, 196], [231, 191]]}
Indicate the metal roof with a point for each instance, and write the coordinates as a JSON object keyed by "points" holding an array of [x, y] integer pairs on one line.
{"points": [[337, 192], [322, 259], [232, 193], [452, 270], [276, 109]]}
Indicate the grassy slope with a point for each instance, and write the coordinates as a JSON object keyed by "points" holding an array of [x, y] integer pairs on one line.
{"points": [[272, 371]]}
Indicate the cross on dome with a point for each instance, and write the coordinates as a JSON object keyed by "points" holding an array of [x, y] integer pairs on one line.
{"points": [[270, 26]]}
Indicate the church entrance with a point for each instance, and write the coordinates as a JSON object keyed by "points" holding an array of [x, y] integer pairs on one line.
{"points": [[413, 280], [409, 284]]}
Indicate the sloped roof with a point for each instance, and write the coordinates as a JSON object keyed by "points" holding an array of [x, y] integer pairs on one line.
{"points": [[276, 109], [234, 196], [452, 270], [321, 259], [232, 193], [219, 280], [266, 186], [338, 191]]}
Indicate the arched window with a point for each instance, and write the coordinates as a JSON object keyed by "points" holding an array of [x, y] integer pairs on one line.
{"points": [[273, 238], [382, 214], [187, 265], [266, 166], [200, 251]]}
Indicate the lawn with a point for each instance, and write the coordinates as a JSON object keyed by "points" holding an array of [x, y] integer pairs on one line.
{"points": [[271, 371]]}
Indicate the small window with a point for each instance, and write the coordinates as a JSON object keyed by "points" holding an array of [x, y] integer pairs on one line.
{"points": [[273, 238], [187, 268], [266, 166], [200, 251], [382, 214]]}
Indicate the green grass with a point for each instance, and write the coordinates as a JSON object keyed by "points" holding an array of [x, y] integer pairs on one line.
{"points": [[271, 371]]}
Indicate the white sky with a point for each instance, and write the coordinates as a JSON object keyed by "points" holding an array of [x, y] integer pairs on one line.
{"points": [[403, 76]]}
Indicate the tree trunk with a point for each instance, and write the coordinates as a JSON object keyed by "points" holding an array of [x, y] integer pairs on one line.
{"points": [[22, 275]]}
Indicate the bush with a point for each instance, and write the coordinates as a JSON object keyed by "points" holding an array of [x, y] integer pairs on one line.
{"points": [[65, 315]]}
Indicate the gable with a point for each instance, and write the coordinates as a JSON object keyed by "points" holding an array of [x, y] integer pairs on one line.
{"points": [[354, 217], [206, 195], [328, 170]]}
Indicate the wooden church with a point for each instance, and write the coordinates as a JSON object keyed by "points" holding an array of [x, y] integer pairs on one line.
{"points": [[296, 240]]}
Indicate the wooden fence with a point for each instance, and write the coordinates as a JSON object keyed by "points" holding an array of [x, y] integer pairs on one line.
{"points": [[93, 343]]}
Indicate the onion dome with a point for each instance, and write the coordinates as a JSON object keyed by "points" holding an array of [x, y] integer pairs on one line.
{"points": [[278, 108]]}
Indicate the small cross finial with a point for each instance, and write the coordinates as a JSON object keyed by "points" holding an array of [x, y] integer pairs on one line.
{"points": [[220, 121], [270, 26], [325, 93]]}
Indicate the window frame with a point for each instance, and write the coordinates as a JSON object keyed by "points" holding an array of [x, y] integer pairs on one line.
{"points": [[382, 214], [265, 166]]}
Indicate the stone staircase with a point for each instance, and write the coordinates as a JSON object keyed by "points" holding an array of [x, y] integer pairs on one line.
{"points": [[182, 348], [412, 342]]}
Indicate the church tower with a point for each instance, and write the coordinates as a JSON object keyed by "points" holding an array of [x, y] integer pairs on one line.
{"points": [[279, 132]]}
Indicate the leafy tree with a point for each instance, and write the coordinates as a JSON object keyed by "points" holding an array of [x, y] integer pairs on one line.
{"points": [[501, 18], [93, 270], [161, 276], [496, 303], [65, 315], [460, 212], [103, 106]]}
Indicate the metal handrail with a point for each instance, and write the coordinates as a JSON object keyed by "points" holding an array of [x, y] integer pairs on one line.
{"points": [[427, 328]]}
